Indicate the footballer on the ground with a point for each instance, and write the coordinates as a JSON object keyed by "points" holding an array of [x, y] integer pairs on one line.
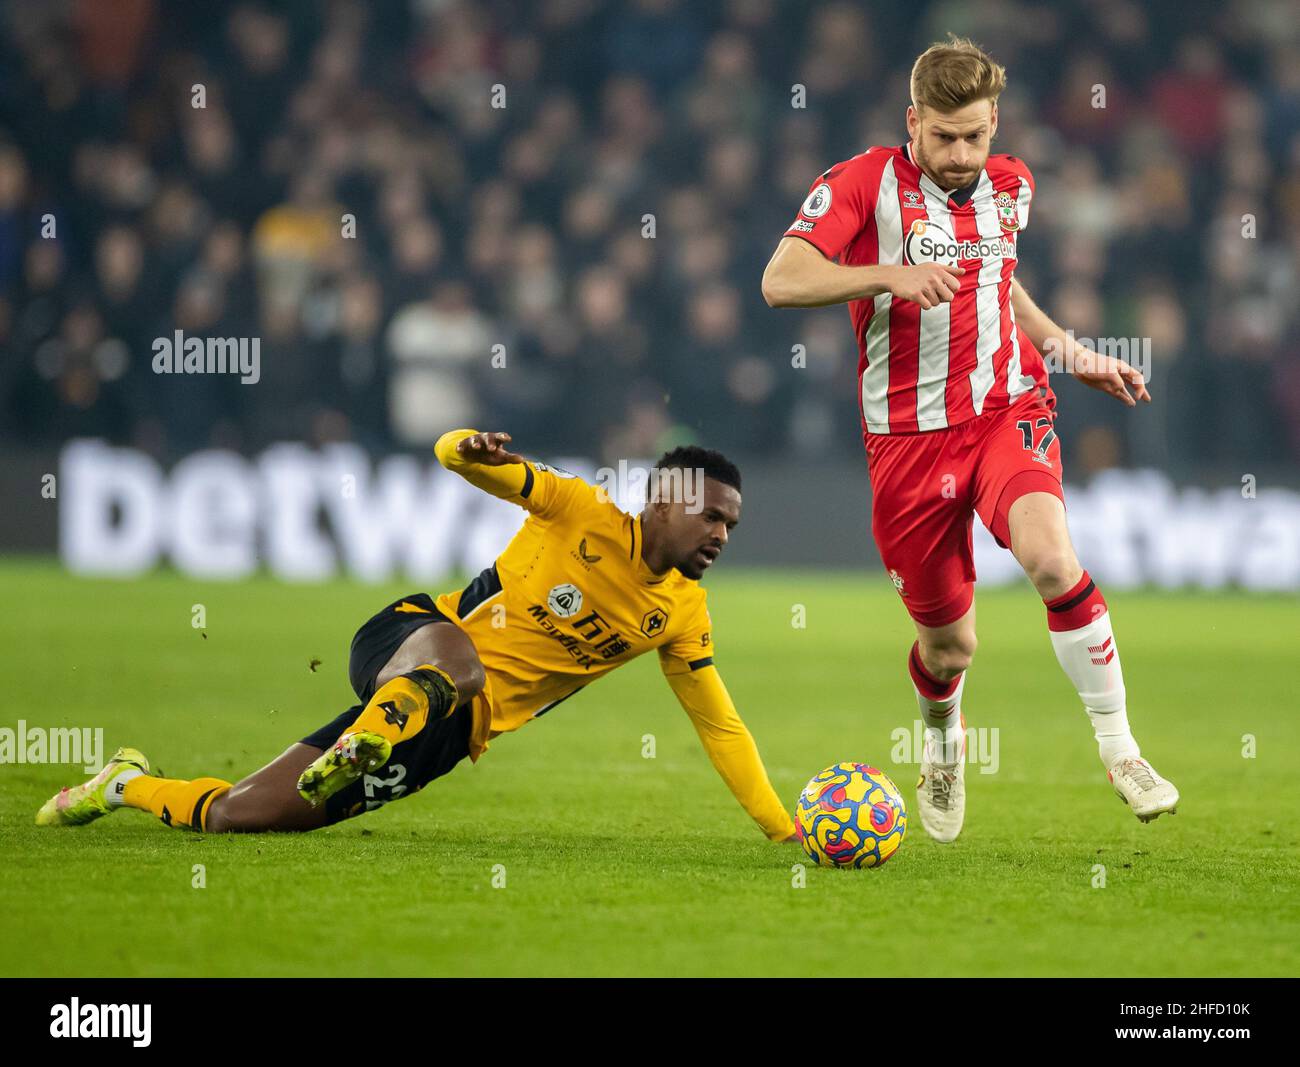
{"points": [[921, 241], [581, 589]]}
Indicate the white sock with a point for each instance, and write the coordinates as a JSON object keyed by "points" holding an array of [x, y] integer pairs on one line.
{"points": [[1114, 740], [943, 730], [114, 793], [1090, 660]]}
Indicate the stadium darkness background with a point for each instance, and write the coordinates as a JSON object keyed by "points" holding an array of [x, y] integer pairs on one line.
{"points": [[522, 226]]}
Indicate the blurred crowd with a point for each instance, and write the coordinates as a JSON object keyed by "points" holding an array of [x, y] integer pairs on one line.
{"points": [[552, 217]]}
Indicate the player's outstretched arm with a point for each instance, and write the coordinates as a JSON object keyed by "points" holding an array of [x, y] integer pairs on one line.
{"points": [[731, 748], [799, 276], [1110, 375], [483, 460]]}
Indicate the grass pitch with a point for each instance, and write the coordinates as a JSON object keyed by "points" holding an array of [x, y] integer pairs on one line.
{"points": [[618, 864]]}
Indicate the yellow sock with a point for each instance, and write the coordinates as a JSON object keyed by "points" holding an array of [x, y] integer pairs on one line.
{"points": [[400, 708], [175, 802]]}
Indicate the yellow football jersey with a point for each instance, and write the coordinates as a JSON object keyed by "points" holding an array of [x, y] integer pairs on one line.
{"points": [[570, 599]]}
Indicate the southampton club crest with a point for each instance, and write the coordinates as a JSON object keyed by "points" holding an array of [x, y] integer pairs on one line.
{"points": [[1008, 216]]}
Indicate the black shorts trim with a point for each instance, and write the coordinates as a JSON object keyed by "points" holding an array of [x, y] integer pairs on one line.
{"points": [[382, 634], [414, 762], [484, 587], [430, 754]]}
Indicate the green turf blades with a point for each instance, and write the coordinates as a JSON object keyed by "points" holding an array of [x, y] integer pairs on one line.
{"points": [[566, 851]]}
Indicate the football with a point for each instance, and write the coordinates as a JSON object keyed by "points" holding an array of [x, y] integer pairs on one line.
{"points": [[850, 815]]}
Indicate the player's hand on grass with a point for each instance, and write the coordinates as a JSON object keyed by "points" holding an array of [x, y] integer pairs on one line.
{"points": [[927, 284], [489, 449], [1112, 376]]}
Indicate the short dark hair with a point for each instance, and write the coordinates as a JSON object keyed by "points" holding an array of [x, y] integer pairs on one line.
{"points": [[692, 457]]}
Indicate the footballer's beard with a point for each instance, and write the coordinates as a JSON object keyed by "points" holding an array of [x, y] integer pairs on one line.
{"points": [[693, 567], [949, 179], [690, 568]]}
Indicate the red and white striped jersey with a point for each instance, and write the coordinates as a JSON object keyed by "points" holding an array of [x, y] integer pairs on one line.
{"points": [[928, 369]]}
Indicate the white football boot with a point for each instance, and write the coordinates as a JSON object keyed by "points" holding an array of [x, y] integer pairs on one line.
{"points": [[1138, 784], [941, 791]]}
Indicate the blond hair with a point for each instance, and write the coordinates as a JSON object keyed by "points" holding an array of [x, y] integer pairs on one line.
{"points": [[949, 76]]}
